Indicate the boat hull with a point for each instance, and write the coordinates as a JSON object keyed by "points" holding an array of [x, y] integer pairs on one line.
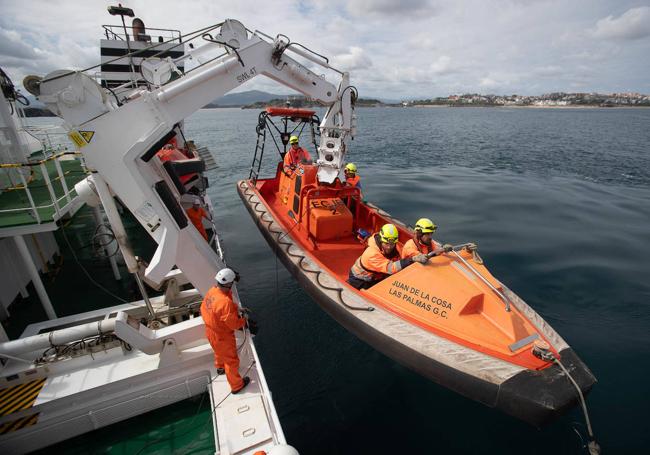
{"points": [[536, 397]]}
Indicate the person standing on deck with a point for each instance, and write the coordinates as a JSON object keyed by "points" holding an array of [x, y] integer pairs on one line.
{"points": [[295, 155], [221, 317], [422, 241], [380, 259], [196, 213]]}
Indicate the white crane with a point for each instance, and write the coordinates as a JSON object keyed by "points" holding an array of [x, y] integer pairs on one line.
{"points": [[119, 139]]}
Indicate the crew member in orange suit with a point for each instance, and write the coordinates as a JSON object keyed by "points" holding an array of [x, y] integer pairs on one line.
{"points": [[422, 241], [380, 259], [196, 213], [351, 176], [222, 317], [295, 155]]}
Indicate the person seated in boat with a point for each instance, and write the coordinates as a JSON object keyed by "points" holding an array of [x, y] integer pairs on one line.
{"points": [[295, 155], [422, 241], [221, 318], [351, 176], [196, 213], [380, 259]]}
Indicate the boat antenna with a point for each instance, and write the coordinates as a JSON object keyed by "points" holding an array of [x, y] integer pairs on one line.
{"points": [[121, 11]]}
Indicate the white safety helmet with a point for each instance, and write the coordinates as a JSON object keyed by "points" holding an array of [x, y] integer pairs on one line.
{"points": [[197, 201], [226, 277]]}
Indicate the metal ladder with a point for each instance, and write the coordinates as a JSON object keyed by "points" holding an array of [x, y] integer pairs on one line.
{"points": [[259, 150]]}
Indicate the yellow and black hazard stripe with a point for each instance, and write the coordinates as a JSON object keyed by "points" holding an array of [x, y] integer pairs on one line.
{"points": [[17, 398], [17, 424]]}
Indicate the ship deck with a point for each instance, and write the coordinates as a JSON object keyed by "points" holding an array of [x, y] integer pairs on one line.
{"points": [[45, 180]]}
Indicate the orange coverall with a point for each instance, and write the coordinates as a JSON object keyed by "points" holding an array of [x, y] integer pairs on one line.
{"points": [[196, 217], [293, 157], [413, 248], [354, 181], [372, 265], [221, 319]]}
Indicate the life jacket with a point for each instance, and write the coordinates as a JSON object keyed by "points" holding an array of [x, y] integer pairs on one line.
{"points": [[172, 153], [372, 265], [293, 158], [354, 181], [413, 247]]}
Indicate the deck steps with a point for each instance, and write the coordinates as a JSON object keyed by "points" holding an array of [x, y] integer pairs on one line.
{"points": [[207, 158]]}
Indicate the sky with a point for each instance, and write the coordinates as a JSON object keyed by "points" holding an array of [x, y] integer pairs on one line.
{"points": [[407, 49]]}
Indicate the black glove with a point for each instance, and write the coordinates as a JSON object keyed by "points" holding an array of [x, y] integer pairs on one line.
{"points": [[252, 326], [447, 248]]}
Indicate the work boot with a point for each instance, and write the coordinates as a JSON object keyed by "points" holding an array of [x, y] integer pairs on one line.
{"points": [[247, 381], [221, 371]]}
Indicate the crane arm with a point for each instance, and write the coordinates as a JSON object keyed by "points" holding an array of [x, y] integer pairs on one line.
{"points": [[120, 141]]}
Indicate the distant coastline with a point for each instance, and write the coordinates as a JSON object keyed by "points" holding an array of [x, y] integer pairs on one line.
{"points": [[569, 106], [547, 101]]}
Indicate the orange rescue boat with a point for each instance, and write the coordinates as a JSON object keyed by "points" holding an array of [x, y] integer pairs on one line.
{"points": [[449, 320]]}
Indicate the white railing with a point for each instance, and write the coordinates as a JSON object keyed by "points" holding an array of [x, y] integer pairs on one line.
{"points": [[54, 200]]}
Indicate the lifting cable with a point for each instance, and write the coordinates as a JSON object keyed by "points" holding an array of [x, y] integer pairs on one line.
{"points": [[99, 245], [542, 351], [592, 446], [83, 269]]}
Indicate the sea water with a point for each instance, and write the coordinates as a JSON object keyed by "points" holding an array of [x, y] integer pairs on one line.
{"points": [[558, 201]]}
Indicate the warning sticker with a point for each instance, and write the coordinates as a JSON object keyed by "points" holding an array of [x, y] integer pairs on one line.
{"points": [[87, 135], [77, 138]]}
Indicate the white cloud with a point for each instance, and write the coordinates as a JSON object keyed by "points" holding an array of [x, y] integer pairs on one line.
{"points": [[355, 59], [415, 47], [442, 65], [390, 8], [631, 25], [12, 45], [549, 71], [487, 82]]}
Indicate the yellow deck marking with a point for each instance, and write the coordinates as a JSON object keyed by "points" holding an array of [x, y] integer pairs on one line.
{"points": [[17, 398], [17, 424]]}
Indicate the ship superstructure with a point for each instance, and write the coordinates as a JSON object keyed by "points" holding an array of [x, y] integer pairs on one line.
{"points": [[89, 370]]}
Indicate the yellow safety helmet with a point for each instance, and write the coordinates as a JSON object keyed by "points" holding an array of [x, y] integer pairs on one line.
{"points": [[388, 233], [425, 226], [351, 167], [293, 140]]}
